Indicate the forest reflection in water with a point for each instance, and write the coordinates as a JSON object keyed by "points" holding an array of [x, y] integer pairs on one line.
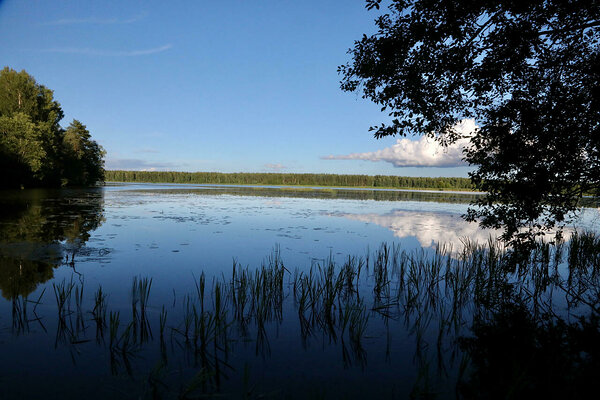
{"points": [[477, 321], [40, 230]]}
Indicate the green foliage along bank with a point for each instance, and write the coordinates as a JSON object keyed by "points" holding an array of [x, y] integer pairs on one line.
{"points": [[34, 149], [381, 181]]}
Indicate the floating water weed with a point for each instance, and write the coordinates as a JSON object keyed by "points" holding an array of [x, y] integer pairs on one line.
{"points": [[584, 250], [20, 318], [380, 271], [99, 311], [38, 301], [114, 318], [162, 321], [189, 316], [155, 386], [62, 292], [331, 285], [559, 246], [162, 325], [123, 348], [350, 272], [140, 293], [20, 323], [199, 382], [358, 321], [80, 325], [200, 286]]}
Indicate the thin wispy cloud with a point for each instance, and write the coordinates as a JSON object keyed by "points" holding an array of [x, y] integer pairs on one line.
{"points": [[274, 167], [86, 51], [424, 152], [96, 21], [147, 150]]}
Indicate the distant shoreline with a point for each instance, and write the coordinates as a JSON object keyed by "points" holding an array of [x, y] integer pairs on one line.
{"points": [[325, 181]]}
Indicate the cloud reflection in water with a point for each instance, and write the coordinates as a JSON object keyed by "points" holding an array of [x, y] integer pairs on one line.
{"points": [[429, 228]]}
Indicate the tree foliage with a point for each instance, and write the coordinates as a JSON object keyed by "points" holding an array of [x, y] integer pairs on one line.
{"points": [[83, 156], [34, 148], [526, 71]]}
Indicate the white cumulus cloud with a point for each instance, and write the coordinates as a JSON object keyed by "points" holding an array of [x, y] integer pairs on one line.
{"points": [[424, 152]]}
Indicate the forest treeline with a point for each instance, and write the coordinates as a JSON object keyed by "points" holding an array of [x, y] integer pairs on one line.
{"points": [[243, 178], [34, 149]]}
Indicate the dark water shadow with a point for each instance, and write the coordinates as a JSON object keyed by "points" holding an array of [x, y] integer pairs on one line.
{"points": [[517, 354]]}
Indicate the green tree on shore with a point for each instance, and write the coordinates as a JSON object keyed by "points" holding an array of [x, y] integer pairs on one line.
{"points": [[34, 149], [83, 156]]}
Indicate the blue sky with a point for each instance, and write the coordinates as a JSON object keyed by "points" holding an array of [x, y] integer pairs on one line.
{"points": [[231, 86]]}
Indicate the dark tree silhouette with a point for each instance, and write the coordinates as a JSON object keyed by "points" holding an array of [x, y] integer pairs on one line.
{"points": [[526, 71]]}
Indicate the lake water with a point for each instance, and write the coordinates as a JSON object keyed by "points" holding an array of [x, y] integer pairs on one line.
{"points": [[378, 336]]}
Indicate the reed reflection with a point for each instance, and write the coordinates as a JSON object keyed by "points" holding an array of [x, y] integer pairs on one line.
{"points": [[480, 311]]}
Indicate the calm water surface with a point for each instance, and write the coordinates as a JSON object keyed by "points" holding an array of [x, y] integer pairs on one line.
{"points": [[86, 239]]}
